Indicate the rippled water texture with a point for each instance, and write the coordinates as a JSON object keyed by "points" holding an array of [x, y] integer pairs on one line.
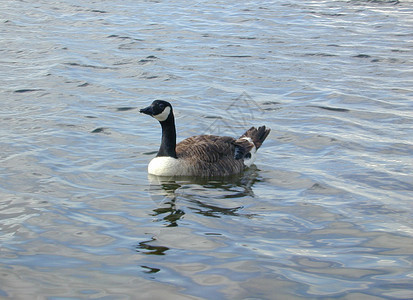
{"points": [[326, 211]]}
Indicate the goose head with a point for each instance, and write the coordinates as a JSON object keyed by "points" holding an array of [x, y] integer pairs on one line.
{"points": [[159, 109]]}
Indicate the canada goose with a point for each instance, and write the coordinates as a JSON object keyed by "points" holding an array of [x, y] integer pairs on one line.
{"points": [[202, 155]]}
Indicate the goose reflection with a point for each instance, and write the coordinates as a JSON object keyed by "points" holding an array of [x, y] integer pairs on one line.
{"points": [[146, 248], [211, 197]]}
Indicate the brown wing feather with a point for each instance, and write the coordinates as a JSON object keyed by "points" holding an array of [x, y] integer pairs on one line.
{"points": [[210, 155], [209, 148]]}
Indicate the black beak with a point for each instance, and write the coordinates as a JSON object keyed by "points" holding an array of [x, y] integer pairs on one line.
{"points": [[147, 111]]}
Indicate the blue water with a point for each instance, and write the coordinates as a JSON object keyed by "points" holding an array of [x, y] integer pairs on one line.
{"points": [[326, 212]]}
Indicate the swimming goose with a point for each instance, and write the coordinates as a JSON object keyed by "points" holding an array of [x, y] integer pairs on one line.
{"points": [[202, 155]]}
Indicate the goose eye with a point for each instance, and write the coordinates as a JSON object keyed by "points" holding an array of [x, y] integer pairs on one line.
{"points": [[161, 106]]}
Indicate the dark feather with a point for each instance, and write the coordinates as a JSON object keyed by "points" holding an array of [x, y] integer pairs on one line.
{"points": [[210, 155], [257, 135]]}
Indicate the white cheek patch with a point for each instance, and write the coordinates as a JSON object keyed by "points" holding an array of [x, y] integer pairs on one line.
{"points": [[163, 115]]}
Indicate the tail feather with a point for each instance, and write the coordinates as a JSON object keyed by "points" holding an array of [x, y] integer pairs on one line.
{"points": [[249, 142], [257, 136]]}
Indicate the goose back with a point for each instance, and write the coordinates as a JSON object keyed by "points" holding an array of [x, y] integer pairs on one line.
{"points": [[209, 155]]}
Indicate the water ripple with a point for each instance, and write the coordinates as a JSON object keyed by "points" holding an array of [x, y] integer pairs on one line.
{"points": [[324, 213]]}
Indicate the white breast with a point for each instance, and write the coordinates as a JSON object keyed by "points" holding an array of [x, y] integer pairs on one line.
{"points": [[167, 166]]}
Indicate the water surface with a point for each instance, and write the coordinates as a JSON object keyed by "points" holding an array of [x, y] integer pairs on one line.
{"points": [[326, 212]]}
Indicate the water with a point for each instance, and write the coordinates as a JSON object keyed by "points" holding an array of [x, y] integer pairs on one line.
{"points": [[325, 213]]}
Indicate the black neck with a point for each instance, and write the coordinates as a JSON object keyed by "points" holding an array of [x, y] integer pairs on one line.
{"points": [[168, 142]]}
